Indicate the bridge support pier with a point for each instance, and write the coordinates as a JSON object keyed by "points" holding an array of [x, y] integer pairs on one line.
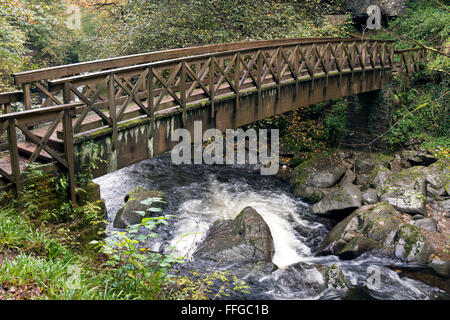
{"points": [[368, 116]]}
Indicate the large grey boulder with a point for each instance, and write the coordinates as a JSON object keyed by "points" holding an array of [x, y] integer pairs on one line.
{"points": [[311, 179], [133, 211], [412, 245], [429, 224], [370, 196], [366, 162], [417, 158], [346, 198], [246, 239], [442, 268], [379, 176], [369, 227], [405, 190], [438, 178]]}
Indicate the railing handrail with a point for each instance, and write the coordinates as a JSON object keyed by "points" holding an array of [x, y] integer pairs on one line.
{"points": [[10, 97], [38, 111], [408, 50], [103, 64], [56, 82]]}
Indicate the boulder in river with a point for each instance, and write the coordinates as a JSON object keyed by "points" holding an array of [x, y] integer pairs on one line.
{"points": [[369, 227], [405, 190], [442, 268], [345, 199], [429, 224], [311, 179], [246, 239], [130, 213], [370, 196], [438, 178], [412, 245]]}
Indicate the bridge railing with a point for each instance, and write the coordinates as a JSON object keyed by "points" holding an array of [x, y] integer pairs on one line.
{"points": [[107, 97], [112, 91], [36, 81], [410, 60], [13, 122]]}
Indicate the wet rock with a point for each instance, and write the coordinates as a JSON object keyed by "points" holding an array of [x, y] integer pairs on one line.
{"points": [[379, 176], [445, 204], [298, 281], [442, 268], [370, 196], [247, 239], [418, 217], [369, 227], [396, 165], [346, 198], [310, 179], [349, 177], [412, 245], [334, 277], [429, 224], [127, 215], [405, 191], [417, 158], [310, 194], [363, 180], [438, 178], [367, 162]]}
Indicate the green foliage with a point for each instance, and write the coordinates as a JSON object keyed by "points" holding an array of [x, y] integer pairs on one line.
{"points": [[425, 21], [33, 34], [421, 115], [141, 26], [335, 123]]}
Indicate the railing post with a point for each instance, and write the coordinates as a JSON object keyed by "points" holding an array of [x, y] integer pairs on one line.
{"points": [[237, 76], [183, 92], [68, 149], [14, 155], [27, 95], [112, 109], [150, 103], [211, 85], [259, 75]]}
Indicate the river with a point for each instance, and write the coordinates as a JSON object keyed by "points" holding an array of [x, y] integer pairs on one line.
{"points": [[199, 195]]}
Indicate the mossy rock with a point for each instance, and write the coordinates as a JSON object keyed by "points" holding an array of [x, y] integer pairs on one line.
{"points": [[412, 245], [310, 178], [369, 227], [438, 178], [365, 163], [247, 239], [346, 198], [133, 211], [89, 193], [334, 277], [405, 190]]}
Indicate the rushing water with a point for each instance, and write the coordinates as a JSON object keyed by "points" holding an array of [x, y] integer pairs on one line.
{"points": [[199, 195]]}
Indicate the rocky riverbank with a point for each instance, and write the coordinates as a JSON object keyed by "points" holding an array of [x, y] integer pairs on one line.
{"points": [[395, 204]]}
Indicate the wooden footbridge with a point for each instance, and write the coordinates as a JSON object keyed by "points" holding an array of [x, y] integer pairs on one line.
{"points": [[129, 106]]}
